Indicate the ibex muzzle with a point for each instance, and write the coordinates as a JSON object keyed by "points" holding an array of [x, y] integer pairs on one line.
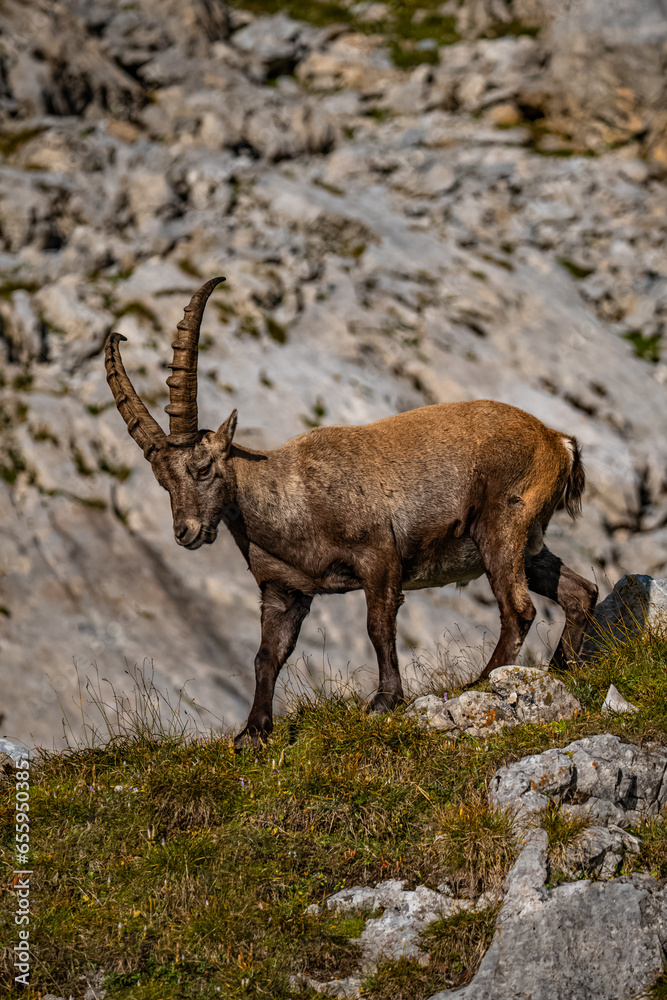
{"points": [[436, 495]]}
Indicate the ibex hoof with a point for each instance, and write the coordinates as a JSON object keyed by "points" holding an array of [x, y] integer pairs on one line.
{"points": [[384, 702], [248, 738]]}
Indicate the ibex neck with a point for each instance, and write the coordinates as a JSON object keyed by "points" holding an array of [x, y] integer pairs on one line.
{"points": [[265, 485]]}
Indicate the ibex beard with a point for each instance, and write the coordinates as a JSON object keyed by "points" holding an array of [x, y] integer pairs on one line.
{"points": [[436, 495]]}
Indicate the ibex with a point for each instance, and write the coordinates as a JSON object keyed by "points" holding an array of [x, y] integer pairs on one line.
{"points": [[436, 495]]}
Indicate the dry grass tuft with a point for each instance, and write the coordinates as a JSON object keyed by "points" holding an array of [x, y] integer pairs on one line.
{"points": [[455, 946], [458, 944], [653, 855], [403, 979], [476, 845], [564, 832]]}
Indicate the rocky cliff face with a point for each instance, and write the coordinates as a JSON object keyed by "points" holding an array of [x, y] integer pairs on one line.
{"points": [[480, 224]]}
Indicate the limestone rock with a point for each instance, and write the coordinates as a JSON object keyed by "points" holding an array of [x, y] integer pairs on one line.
{"points": [[568, 940], [432, 711], [525, 787], [276, 44], [599, 850], [13, 749], [477, 713], [534, 693], [56, 68], [562, 942], [63, 309], [356, 61], [94, 989], [370, 11], [22, 330], [607, 71], [406, 913], [474, 713], [614, 782], [636, 602], [520, 694], [485, 17], [597, 846], [568, 937], [615, 702], [428, 179], [524, 885]]}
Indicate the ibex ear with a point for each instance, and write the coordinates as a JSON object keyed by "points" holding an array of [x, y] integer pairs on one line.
{"points": [[225, 433]]}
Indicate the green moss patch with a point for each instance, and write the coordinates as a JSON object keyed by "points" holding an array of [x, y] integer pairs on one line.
{"points": [[646, 348]]}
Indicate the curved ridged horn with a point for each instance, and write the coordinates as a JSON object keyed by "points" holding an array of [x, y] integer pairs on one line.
{"points": [[182, 408], [140, 424]]}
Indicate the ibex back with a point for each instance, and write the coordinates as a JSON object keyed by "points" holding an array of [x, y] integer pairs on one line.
{"points": [[437, 495]]}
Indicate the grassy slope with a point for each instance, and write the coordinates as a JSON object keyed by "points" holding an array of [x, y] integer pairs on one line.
{"points": [[193, 879]]}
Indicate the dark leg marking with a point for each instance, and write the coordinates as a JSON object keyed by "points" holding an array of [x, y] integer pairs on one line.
{"points": [[549, 576]]}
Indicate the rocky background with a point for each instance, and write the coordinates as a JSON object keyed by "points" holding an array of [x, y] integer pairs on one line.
{"points": [[412, 203]]}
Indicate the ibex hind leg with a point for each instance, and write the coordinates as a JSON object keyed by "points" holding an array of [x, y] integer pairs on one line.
{"points": [[283, 612], [383, 599], [549, 576], [503, 555]]}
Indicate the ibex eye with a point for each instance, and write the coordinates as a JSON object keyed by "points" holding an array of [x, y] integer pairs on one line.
{"points": [[203, 472]]}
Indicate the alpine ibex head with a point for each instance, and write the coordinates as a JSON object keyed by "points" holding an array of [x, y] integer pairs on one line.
{"points": [[191, 464]]}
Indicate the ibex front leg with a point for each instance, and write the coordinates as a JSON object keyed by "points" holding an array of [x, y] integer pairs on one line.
{"points": [[283, 611], [383, 599]]}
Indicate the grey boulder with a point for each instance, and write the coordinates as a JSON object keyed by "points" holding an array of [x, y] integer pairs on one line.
{"points": [[406, 912], [615, 702], [580, 941], [585, 940], [636, 602], [519, 695], [394, 934], [13, 749], [537, 696], [613, 782], [276, 44], [600, 850]]}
